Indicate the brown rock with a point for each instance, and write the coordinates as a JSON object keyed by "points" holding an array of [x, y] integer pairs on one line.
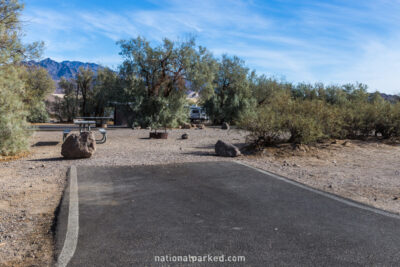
{"points": [[201, 126], [186, 126], [79, 146], [346, 143], [226, 150]]}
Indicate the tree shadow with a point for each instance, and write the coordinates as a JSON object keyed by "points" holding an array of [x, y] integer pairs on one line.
{"points": [[48, 159], [201, 153], [46, 143]]}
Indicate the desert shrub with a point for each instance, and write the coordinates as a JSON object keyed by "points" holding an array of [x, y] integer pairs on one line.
{"points": [[308, 113], [38, 112]]}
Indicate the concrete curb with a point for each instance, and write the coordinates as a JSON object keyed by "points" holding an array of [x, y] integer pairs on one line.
{"points": [[71, 239]]}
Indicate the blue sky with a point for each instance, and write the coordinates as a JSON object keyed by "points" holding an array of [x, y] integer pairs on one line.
{"points": [[335, 41]]}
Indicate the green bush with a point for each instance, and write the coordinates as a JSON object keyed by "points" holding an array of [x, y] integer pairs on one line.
{"points": [[38, 113]]}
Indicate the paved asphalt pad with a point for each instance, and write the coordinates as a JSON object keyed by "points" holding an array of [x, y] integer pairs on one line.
{"points": [[130, 215]]}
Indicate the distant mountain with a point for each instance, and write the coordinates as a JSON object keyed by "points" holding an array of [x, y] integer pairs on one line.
{"points": [[66, 69], [391, 98]]}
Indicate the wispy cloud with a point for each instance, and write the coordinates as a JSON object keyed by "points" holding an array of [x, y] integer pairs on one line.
{"points": [[333, 41]]}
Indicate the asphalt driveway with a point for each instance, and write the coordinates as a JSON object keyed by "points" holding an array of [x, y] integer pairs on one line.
{"points": [[200, 214]]}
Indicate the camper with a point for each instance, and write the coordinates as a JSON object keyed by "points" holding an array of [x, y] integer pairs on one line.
{"points": [[197, 114]]}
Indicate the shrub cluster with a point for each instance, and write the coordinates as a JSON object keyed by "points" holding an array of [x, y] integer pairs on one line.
{"points": [[311, 113]]}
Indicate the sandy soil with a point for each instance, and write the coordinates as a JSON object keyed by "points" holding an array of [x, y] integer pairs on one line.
{"points": [[30, 188]]}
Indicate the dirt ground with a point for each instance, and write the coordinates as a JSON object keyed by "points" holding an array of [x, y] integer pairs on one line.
{"points": [[31, 187]]}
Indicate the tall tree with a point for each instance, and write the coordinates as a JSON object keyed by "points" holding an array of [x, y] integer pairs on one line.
{"points": [[232, 94], [157, 78], [13, 134], [84, 82], [38, 85]]}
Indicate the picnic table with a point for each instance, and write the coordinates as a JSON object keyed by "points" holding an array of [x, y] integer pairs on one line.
{"points": [[102, 120], [84, 125]]}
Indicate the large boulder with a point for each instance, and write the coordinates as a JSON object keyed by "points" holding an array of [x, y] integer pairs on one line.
{"points": [[225, 126], [78, 146], [226, 150]]}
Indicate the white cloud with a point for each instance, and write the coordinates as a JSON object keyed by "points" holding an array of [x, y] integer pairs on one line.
{"points": [[343, 41]]}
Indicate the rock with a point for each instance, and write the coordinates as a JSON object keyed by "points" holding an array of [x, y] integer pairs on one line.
{"points": [[346, 143], [395, 198], [79, 146], [185, 136], [43, 166], [226, 150], [136, 128], [32, 168], [186, 126], [302, 148], [200, 126], [225, 126]]}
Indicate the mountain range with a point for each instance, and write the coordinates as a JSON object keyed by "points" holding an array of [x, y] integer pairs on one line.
{"points": [[69, 69], [66, 69]]}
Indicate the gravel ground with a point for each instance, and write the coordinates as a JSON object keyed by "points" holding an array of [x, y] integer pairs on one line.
{"points": [[30, 188]]}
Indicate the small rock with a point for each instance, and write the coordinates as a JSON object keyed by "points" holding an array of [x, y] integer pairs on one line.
{"points": [[346, 143], [225, 126], [32, 168], [330, 186], [186, 126], [395, 198], [200, 126], [295, 165], [285, 163], [185, 136], [375, 198], [43, 166], [334, 142], [226, 150], [334, 161], [302, 148]]}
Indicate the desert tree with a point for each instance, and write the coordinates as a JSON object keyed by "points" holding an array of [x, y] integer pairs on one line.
{"points": [[231, 95], [157, 78], [13, 133]]}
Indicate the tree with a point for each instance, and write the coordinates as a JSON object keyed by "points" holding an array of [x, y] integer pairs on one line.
{"points": [[68, 108], [105, 89], [156, 79], [38, 85], [232, 95], [84, 83], [13, 133]]}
